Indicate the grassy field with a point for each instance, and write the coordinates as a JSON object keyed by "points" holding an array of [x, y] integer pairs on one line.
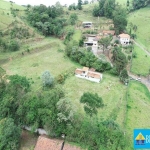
{"points": [[138, 104], [77, 35], [140, 64], [141, 19], [86, 15], [34, 64], [113, 97]]}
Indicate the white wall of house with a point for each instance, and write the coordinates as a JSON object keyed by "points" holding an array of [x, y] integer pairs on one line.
{"points": [[89, 78], [124, 40]]}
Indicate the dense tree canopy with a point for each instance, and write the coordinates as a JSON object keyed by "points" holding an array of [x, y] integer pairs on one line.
{"points": [[105, 8], [137, 4], [80, 4], [9, 135], [91, 103], [44, 19], [119, 59], [120, 19], [86, 58]]}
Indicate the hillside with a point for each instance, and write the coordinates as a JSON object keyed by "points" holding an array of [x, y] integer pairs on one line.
{"points": [[141, 19], [125, 106], [5, 13]]}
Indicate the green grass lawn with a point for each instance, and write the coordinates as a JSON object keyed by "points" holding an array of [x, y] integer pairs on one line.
{"points": [[34, 64], [77, 35], [112, 98], [141, 19], [138, 107], [6, 5], [140, 64]]}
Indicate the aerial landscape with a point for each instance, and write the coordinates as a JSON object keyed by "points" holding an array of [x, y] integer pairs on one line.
{"points": [[75, 76]]}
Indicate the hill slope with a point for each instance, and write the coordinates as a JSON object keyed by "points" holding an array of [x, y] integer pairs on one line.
{"points": [[141, 19]]}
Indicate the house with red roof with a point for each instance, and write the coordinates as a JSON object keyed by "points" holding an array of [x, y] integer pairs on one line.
{"points": [[44, 143]]}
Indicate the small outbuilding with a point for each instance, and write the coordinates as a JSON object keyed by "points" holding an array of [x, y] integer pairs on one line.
{"points": [[87, 24]]}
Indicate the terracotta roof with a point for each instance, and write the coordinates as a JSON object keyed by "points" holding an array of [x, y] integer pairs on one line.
{"points": [[44, 143], [78, 71], [109, 32], [95, 75], [85, 69], [124, 35], [92, 69]]}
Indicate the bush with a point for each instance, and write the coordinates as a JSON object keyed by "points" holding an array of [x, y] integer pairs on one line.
{"points": [[134, 55], [47, 79], [13, 45], [129, 57]]}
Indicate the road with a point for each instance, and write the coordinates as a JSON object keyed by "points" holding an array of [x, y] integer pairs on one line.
{"points": [[143, 80]]}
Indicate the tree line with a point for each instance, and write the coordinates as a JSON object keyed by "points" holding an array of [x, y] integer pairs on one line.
{"points": [[109, 9], [51, 109], [85, 57], [45, 19]]}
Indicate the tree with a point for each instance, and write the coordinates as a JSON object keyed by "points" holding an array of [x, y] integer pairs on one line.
{"points": [[20, 81], [119, 59], [47, 79], [120, 19], [80, 4], [13, 94], [9, 135], [73, 18], [96, 11], [128, 3], [101, 7], [105, 42], [65, 113], [109, 7], [123, 76], [85, 2], [137, 4], [91, 103]]}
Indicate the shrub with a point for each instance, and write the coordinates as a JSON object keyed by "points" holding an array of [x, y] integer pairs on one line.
{"points": [[13, 45]]}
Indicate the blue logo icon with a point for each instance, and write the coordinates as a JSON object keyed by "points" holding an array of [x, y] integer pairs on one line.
{"points": [[141, 138]]}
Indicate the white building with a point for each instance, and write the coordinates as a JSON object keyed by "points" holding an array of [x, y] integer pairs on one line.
{"points": [[88, 74], [124, 39], [95, 47], [87, 24]]}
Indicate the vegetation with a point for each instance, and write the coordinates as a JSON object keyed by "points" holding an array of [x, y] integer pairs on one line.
{"points": [[68, 104], [9, 134], [138, 18], [105, 8], [44, 19], [85, 58], [47, 79], [92, 102], [119, 59], [137, 4], [140, 63], [120, 19], [138, 102]]}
